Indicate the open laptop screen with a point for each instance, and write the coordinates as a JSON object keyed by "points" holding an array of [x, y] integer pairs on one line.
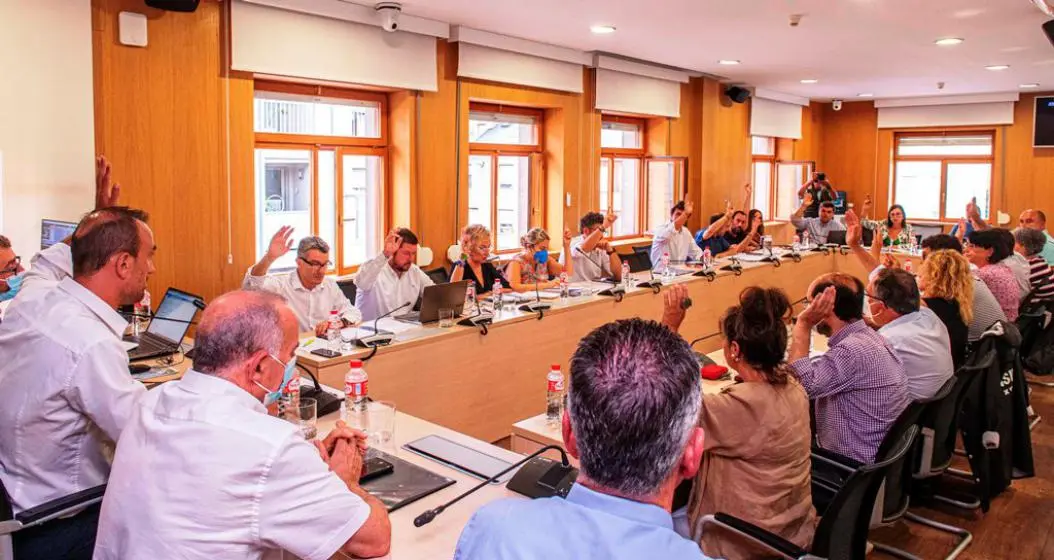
{"points": [[177, 305], [54, 231]]}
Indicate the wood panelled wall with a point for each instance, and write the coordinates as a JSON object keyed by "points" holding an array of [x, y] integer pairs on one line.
{"points": [[162, 118]]}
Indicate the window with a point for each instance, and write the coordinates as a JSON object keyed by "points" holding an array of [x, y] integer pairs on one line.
{"points": [[504, 154], [319, 167], [763, 169], [621, 181], [937, 174]]}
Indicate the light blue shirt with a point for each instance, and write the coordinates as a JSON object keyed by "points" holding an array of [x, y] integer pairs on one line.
{"points": [[1048, 250], [587, 524], [817, 230], [922, 343]]}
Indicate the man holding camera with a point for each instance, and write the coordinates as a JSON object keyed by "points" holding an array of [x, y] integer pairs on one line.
{"points": [[821, 191]]}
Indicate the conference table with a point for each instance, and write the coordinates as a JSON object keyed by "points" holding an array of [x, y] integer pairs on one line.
{"points": [[480, 384]]}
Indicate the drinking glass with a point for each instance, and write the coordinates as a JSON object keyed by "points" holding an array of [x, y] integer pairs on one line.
{"points": [[446, 318], [377, 421], [307, 418]]}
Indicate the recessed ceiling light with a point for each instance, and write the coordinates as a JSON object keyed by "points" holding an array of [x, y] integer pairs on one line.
{"points": [[997, 67], [809, 81], [602, 29], [865, 95], [1028, 86], [728, 62], [948, 41]]}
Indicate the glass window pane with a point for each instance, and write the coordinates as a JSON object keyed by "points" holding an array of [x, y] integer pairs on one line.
{"points": [[283, 198], [762, 186], [619, 135], [513, 205], [479, 189], [605, 180], [502, 128], [327, 201], [762, 146], [626, 196], [966, 181], [918, 186], [944, 146], [363, 221], [302, 114], [662, 184]]}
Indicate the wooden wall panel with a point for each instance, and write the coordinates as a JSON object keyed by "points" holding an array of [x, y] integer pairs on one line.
{"points": [[849, 140], [435, 188], [725, 157], [810, 147], [1029, 174]]}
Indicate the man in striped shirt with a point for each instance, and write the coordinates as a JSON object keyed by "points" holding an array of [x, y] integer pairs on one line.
{"points": [[1029, 243]]}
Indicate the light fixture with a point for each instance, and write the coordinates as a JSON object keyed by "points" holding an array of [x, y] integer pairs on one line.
{"points": [[865, 95], [995, 67], [602, 29], [1028, 86], [810, 81], [948, 41], [728, 62]]}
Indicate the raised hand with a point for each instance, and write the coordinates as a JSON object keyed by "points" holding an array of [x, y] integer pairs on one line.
{"points": [[889, 261], [689, 206], [609, 220], [854, 232], [392, 242], [808, 200], [281, 243], [961, 230], [819, 308], [567, 237], [106, 193], [729, 209], [673, 310], [747, 191]]}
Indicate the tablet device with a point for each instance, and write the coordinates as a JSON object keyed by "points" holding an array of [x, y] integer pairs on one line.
{"points": [[465, 459]]}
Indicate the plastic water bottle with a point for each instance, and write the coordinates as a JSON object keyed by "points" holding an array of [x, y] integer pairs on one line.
{"points": [[565, 291], [796, 245], [142, 311], [708, 258], [907, 266], [625, 275], [667, 272], [805, 238], [356, 390], [496, 292], [554, 396], [289, 401], [333, 331]]}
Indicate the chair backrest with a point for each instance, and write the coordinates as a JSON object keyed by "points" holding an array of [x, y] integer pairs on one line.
{"points": [[842, 531], [645, 249], [438, 275], [898, 476], [1030, 321], [348, 288], [941, 416]]}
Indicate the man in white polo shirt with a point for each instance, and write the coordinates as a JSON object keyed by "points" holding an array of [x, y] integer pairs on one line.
{"points": [[202, 471], [673, 238]]}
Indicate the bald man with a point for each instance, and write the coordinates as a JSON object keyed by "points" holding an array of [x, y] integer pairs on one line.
{"points": [[245, 483], [1037, 220]]}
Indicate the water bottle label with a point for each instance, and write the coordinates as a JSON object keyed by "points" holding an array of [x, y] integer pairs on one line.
{"points": [[556, 385], [356, 389]]}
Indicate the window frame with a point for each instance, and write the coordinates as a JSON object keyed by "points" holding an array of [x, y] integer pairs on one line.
{"points": [[639, 154], [341, 146], [944, 160], [770, 212], [533, 153]]}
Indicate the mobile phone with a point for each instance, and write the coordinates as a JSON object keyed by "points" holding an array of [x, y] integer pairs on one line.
{"points": [[375, 467], [325, 353]]}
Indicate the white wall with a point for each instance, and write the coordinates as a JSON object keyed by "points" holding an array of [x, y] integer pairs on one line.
{"points": [[47, 131]]}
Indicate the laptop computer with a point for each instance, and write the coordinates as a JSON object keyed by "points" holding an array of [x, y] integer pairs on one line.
{"points": [[168, 326], [434, 298], [54, 231]]}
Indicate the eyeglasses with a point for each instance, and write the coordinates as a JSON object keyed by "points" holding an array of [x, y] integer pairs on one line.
{"points": [[12, 266], [316, 265]]}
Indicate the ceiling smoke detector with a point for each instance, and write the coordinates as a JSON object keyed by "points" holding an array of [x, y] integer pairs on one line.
{"points": [[795, 19]]}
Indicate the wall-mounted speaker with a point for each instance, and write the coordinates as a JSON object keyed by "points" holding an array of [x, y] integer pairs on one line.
{"points": [[737, 94], [174, 5]]}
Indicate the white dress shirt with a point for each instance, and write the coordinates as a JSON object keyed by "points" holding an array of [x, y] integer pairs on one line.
{"points": [[46, 269], [311, 307], [586, 269], [679, 244], [64, 392], [203, 472], [379, 289], [922, 343]]}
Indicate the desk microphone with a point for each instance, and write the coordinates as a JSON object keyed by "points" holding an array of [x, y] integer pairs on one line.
{"points": [[702, 338], [480, 319], [616, 290], [379, 337], [152, 316], [536, 306], [546, 478], [734, 266], [654, 283]]}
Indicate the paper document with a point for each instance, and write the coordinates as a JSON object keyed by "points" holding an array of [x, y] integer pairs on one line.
{"points": [[129, 346]]}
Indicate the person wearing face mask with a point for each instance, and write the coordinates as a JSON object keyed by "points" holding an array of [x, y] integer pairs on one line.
{"points": [[474, 263], [593, 256], [533, 266], [392, 278], [859, 386], [10, 273], [65, 391], [247, 483]]}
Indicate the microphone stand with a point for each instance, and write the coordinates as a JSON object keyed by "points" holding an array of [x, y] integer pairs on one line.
{"points": [[794, 254], [616, 290], [536, 306], [734, 266], [480, 319], [654, 283], [427, 517], [379, 337], [707, 271]]}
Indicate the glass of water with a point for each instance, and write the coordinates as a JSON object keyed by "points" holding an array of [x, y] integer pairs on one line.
{"points": [[378, 423], [308, 418], [446, 318]]}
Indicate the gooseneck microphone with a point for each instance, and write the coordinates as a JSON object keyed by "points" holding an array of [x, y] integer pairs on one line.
{"points": [[381, 338], [536, 306], [153, 316], [616, 290], [427, 517]]}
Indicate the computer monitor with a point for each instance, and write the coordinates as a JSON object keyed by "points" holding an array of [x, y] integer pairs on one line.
{"points": [[54, 231], [179, 306]]}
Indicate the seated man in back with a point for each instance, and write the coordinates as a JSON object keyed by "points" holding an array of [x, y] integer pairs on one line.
{"points": [[594, 258], [1029, 243], [858, 386], [634, 448], [714, 237], [311, 294], [918, 336], [674, 239], [817, 228], [204, 472], [1037, 220], [392, 279]]}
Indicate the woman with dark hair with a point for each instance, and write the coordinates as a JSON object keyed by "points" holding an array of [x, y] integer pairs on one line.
{"points": [[987, 249], [756, 224], [895, 229], [756, 463]]}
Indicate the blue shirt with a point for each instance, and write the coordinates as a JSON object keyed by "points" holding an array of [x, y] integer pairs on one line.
{"points": [[587, 524], [1048, 249], [718, 244]]}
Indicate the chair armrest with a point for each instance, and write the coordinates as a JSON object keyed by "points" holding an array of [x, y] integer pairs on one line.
{"points": [[756, 534], [61, 506], [840, 462]]}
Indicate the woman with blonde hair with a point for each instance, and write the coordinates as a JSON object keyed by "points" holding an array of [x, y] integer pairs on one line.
{"points": [[947, 286], [534, 266], [474, 263]]}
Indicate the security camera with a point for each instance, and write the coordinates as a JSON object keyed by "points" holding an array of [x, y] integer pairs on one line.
{"points": [[836, 104], [389, 12]]}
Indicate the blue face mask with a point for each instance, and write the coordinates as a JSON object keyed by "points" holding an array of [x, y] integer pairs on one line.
{"points": [[541, 256], [14, 284], [272, 396]]}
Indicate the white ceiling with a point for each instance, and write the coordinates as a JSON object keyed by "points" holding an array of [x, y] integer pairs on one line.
{"points": [[884, 47]]}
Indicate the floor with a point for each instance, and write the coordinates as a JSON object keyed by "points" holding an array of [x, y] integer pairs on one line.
{"points": [[1020, 523]]}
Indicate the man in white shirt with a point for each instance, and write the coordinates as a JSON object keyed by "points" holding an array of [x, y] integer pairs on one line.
{"points": [[204, 472], [11, 276], [310, 293], [674, 238], [594, 258], [65, 390], [917, 335], [392, 279]]}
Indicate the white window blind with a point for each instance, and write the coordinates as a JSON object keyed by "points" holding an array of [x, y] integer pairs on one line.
{"points": [[640, 95], [497, 65], [776, 119], [965, 114]]}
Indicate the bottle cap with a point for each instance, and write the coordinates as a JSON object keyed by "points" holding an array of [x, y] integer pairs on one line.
{"points": [[356, 363], [555, 366], [333, 312]]}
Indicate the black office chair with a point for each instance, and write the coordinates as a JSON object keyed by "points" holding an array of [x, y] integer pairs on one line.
{"points": [[348, 288], [39, 515], [438, 275], [843, 528]]}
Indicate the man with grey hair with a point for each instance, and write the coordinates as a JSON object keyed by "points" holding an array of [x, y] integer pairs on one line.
{"points": [[632, 411], [310, 293], [1029, 243], [236, 482]]}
